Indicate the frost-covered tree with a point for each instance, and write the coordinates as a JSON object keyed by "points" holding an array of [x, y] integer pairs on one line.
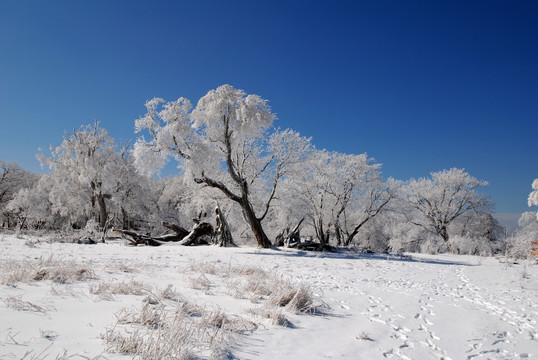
{"points": [[32, 208], [12, 179], [434, 203], [520, 244], [80, 167], [90, 178], [533, 196], [343, 193], [476, 233], [133, 196], [371, 199], [225, 143]]}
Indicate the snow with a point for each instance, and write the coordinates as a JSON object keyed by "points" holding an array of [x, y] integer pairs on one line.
{"points": [[378, 306]]}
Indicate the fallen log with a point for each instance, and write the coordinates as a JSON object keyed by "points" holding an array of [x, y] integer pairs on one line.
{"points": [[313, 246], [140, 239], [182, 236], [198, 231], [181, 232], [286, 237]]}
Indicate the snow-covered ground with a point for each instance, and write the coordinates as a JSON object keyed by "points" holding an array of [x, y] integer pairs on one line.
{"points": [[376, 306]]}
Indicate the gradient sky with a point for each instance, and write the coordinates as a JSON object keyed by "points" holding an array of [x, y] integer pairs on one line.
{"points": [[420, 86]]}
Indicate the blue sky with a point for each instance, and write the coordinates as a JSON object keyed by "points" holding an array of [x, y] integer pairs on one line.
{"points": [[420, 86]]}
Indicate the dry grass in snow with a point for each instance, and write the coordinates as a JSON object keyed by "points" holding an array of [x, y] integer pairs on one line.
{"points": [[108, 301], [271, 291], [29, 270], [177, 331], [168, 326], [17, 303], [108, 290]]}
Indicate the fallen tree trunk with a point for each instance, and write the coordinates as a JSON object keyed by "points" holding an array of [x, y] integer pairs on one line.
{"points": [[182, 236], [181, 232], [313, 246], [199, 230], [140, 239], [286, 237]]}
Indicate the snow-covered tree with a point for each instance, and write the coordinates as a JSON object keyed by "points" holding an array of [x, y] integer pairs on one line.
{"points": [[32, 208], [436, 202], [343, 193], [533, 196], [12, 179], [133, 195], [89, 177], [225, 143], [81, 166], [371, 199], [520, 244]]}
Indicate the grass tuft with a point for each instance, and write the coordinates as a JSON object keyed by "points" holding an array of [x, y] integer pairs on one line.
{"points": [[163, 331], [108, 290], [58, 271], [17, 303]]}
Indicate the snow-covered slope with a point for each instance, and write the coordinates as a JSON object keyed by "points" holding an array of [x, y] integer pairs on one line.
{"points": [[375, 306]]}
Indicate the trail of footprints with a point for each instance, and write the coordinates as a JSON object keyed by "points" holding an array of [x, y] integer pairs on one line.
{"points": [[414, 336], [495, 344], [382, 313]]}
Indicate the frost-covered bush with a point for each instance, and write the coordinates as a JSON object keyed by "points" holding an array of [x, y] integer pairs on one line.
{"points": [[374, 235], [12, 179], [520, 244], [405, 237], [433, 244], [471, 245]]}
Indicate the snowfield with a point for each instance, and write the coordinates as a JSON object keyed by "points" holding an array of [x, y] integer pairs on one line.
{"points": [[364, 306]]}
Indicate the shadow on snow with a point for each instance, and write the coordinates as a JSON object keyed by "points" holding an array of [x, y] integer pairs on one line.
{"points": [[345, 254]]}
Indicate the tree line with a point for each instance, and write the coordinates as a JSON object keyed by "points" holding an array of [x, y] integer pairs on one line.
{"points": [[266, 180]]}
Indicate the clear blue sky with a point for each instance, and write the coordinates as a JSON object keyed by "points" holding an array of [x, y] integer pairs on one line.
{"points": [[420, 86]]}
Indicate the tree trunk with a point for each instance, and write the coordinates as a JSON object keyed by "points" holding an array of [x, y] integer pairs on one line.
{"points": [[223, 235], [103, 216], [248, 212], [350, 237], [322, 236], [255, 225], [444, 233], [339, 234], [124, 219]]}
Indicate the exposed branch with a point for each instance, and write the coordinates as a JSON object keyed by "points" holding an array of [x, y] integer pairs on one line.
{"points": [[217, 184]]}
